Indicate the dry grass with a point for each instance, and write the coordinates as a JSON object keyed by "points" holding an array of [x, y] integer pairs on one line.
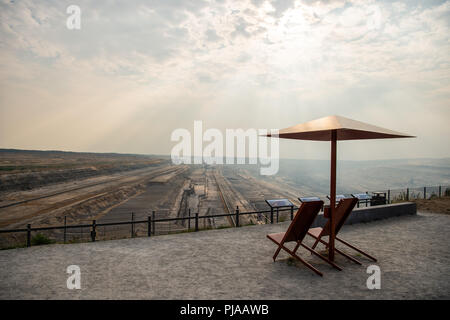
{"points": [[435, 205]]}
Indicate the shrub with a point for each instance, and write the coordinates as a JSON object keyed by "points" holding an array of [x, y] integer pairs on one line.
{"points": [[40, 239]]}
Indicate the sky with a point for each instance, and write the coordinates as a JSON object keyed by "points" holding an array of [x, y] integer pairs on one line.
{"points": [[137, 70]]}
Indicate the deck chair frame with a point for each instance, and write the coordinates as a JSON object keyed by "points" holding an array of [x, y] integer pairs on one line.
{"points": [[297, 231], [343, 210]]}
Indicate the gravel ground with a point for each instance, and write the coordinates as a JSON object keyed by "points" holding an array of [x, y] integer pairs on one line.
{"points": [[413, 254]]}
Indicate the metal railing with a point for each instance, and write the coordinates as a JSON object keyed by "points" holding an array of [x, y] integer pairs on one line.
{"points": [[150, 223]]}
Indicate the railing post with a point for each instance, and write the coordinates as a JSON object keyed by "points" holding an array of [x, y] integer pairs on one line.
{"points": [[149, 226], [407, 194], [425, 193], [292, 213], [132, 224], [237, 216], [196, 221], [440, 191], [271, 215], [153, 221], [389, 196], [93, 233], [189, 219], [278, 212], [65, 229], [28, 235]]}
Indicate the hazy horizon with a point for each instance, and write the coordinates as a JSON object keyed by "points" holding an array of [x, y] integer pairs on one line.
{"points": [[168, 155], [135, 71]]}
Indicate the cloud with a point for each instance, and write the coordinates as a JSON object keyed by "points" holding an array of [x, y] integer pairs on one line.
{"points": [[156, 65], [281, 6], [212, 36]]}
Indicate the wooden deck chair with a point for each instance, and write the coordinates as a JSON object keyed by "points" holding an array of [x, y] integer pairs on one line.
{"points": [[343, 210], [297, 231]]}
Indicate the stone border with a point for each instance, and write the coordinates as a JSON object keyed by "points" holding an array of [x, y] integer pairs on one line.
{"points": [[367, 214]]}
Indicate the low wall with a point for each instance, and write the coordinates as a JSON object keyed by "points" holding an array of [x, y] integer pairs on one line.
{"points": [[367, 214]]}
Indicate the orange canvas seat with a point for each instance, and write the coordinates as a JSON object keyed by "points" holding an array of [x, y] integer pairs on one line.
{"points": [[315, 232], [277, 237], [297, 231]]}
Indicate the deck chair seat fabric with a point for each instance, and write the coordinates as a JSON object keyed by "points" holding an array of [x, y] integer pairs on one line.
{"points": [[315, 231], [299, 226], [343, 210], [341, 213], [277, 237]]}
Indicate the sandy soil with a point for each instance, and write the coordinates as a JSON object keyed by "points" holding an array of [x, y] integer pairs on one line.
{"points": [[413, 254]]}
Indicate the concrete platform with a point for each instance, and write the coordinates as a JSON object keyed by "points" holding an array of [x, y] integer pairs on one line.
{"points": [[236, 263]]}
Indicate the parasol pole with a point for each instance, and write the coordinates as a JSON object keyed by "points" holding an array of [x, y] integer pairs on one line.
{"points": [[332, 194]]}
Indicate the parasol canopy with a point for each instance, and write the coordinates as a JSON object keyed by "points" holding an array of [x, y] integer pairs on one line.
{"points": [[346, 129]]}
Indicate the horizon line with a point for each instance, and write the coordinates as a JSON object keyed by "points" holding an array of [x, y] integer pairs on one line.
{"points": [[168, 155]]}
